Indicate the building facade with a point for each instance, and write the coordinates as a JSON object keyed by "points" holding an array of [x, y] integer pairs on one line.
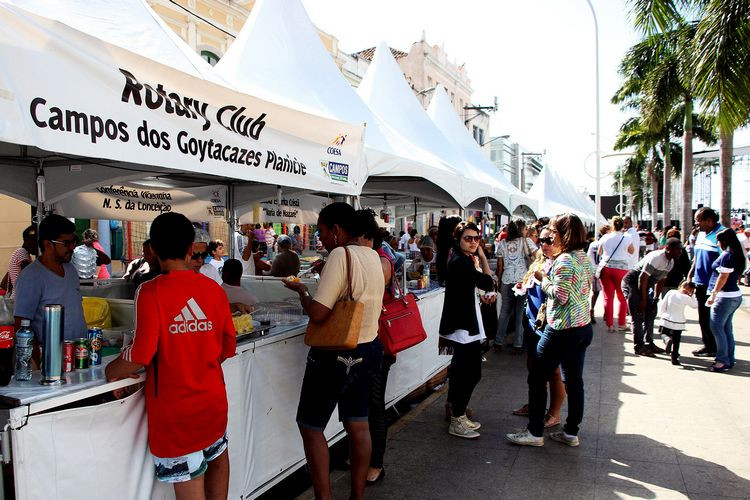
{"points": [[518, 164]]}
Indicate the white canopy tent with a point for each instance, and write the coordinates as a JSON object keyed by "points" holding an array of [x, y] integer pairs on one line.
{"points": [[279, 56], [557, 196], [386, 92], [478, 166], [111, 115]]}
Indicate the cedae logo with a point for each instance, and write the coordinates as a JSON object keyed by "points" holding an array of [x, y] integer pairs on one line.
{"points": [[339, 140], [191, 319]]}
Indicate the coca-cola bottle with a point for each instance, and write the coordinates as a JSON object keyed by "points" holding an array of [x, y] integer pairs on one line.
{"points": [[7, 335]]}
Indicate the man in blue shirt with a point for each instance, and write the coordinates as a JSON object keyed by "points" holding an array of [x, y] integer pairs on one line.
{"points": [[705, 251], [52, 279]]}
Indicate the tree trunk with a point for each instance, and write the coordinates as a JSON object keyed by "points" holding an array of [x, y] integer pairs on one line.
{"points": [[654, 179], [726, 149], [686, 215], [667, 186]]}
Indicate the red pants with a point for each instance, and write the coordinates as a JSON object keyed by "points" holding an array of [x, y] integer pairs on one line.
{"points": [[611, 284]]}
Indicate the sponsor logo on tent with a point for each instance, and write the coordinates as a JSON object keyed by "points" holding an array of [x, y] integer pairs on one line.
{"points": [[333, 151], [191, 319], [339, 140]]}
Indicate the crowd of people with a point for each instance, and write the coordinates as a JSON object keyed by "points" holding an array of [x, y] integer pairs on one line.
{"points": [[546, 281]]}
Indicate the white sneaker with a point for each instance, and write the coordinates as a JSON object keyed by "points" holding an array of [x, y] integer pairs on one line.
{"points": [[525, 438], [471, 424], [562, 437], [459, 427]]}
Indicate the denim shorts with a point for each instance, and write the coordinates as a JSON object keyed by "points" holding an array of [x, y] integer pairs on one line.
{"points": [[190, 466], [340, 378]]}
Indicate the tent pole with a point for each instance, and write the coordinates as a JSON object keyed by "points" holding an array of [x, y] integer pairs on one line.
{"points": [[231, 221], [41, 193]]}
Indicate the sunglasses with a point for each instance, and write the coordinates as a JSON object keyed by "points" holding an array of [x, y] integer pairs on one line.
{"points": [[199, 255], [469, 239], [547, 240], [67, 243]]}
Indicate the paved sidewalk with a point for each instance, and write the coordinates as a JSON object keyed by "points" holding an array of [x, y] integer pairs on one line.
{"points": [[651, 430]]}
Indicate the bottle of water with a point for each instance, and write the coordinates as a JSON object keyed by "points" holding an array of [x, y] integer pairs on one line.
{"points": [[24, 346]]}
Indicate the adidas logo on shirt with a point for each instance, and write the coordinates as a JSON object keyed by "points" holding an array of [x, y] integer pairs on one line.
{"points": [[191, 319]]}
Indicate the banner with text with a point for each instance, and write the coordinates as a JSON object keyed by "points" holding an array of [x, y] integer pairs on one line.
{"points": [[297, 209], [67, 92], [138, 203]]}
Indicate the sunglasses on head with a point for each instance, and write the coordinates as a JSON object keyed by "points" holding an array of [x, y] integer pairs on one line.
{"points": [[469, 239], [547, 240], [199, 255]]}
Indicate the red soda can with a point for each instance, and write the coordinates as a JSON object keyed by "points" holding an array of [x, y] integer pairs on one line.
{"points": [[68, 355]]}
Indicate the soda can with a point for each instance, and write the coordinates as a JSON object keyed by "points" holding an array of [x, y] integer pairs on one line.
{"points": [[68, 355], [95, 346], [81, 354]]}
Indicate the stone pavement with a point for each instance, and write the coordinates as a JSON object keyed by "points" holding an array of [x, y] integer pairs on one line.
{"points": [[651, 430]]}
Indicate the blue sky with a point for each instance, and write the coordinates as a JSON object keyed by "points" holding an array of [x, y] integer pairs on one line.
{"points": [[536, 56]]}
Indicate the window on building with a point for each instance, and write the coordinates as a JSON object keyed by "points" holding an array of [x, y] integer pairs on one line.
{"points": [[453, 97], [429, 82], [480, 139], [210, 57], [475, 132]]}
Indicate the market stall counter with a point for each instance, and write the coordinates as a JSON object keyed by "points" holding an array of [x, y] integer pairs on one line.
{"points": [[80, 440]]}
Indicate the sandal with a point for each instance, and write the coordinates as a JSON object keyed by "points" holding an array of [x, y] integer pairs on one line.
{"points": [[522, 411], [551, 421]]}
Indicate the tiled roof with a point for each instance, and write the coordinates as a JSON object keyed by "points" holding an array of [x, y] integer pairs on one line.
{"points": [[369, 53]]}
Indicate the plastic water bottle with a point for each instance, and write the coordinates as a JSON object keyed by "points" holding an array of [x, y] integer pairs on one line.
{"points": [[7, 325], [24, 346]]}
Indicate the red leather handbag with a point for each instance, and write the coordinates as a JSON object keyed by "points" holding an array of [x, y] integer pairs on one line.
{"points": [[400, 324]]}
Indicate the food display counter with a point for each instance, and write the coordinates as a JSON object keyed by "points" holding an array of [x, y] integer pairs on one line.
{"points": [[78, 440]]}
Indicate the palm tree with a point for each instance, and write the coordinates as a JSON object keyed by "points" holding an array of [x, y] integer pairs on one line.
{"points": [[657, 78], [721, 52], [646, 158]]}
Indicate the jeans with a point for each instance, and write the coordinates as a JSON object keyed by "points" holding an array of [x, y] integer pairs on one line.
{"points": [[464, 373], [722, 312], [611, 285], [643, 322], [704, 318], [676, 337], [511, 303], [555, 348]]}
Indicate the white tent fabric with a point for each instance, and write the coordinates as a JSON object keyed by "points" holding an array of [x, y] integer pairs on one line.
{"points": [[557, 196], [386, 93], [479, 167], [108, 115], [279, 56], [129, 24]]}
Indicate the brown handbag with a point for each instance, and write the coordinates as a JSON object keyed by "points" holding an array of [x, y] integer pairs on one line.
{"points": [[340, 331]]}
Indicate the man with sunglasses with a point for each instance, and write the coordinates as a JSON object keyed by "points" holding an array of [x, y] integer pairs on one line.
{"points": [[198, 258], [52, 279]]}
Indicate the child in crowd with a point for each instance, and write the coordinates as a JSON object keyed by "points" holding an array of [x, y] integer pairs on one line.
{"points": [[672, 317]]}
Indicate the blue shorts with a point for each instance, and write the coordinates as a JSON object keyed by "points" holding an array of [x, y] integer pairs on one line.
{"points": [[340, 378], [190, 466]]}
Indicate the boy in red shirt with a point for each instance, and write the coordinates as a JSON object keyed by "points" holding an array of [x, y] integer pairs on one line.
{"points": [[183, 333]]}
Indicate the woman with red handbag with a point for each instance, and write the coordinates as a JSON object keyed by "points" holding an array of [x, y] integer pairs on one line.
{"points": [[461, 329], [368, 234]]}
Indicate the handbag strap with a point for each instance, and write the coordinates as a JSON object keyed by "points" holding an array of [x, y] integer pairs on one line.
{"points": [[609, 257], [348, 274]]}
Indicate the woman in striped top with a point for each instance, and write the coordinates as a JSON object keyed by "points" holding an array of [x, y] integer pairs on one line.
{"points": [[567, 335]]}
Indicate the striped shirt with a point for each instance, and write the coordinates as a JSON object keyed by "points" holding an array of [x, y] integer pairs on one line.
{"points": [[568, 288]]}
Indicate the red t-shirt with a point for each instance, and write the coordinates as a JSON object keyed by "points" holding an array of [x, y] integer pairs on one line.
{"points": [[183, 333]]}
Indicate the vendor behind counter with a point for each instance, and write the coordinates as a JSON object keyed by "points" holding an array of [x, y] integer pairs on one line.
{"points": [[52, 279]]}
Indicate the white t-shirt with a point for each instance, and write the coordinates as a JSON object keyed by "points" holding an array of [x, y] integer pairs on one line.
{"points": [[514, 264], [211, 272], [672, 309], [744, 242], [404, 241], [237, 294], [620, 257], [636, 239], [368, 285]]}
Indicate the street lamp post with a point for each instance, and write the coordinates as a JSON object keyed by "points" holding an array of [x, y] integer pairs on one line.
{"points": [[598, 201]]}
